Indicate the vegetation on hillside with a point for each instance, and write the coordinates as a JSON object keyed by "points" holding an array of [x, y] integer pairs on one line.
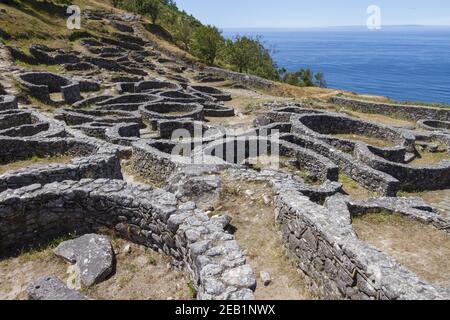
{"points": [[242, 54], [28, 20]]}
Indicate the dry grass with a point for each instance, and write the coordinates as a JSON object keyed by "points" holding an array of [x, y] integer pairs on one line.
{"points": [[18, 272], [381, 118], [34, 161], [369, 140], [421, 248], [290, 91], [354, 189], [430, 158], [142, 274], [259, 235], [440, 199]]}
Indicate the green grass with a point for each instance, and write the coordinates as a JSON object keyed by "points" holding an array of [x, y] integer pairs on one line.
{"points": [[32, 161], [192, 290]]}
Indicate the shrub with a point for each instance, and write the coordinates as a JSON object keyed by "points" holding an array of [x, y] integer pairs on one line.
{"points": [[206, 42]]}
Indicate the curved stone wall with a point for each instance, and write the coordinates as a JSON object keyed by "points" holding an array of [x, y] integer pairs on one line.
{"points": [[324, 126], [41, 84], [434, 125], [153, 112], [153, 218], [210, 91], [24, 123], [337, 265], [431, 177], [407, 112]]}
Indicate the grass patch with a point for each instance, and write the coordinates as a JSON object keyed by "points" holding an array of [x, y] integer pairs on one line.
{"points": [[369, 140], [192, 290], [421, 248], [430, 158], [34, 160], [42, 67], [353, 188]]}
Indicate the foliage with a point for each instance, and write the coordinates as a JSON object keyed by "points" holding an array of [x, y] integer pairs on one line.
{"points": [[206, 43], [243, 54], [151, 8], [302, 78], [183, 31]]}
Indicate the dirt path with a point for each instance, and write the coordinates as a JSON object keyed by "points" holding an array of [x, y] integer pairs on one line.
{"points": [[257, 234]]}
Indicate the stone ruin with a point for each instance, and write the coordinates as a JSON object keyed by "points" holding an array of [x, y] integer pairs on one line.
{"points": [[136, 122]]}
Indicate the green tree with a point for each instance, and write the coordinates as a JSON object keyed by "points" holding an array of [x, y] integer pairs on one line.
{"points": [[206, 42], [151, 8], [320, 80], [183, 32], [240, 53], [246, 54], [116, 3]]}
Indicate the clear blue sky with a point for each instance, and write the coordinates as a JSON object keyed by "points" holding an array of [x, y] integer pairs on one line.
{"points": [[314, 13]]}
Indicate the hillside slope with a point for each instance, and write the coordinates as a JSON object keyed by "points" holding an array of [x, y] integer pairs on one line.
{"points": [[24, 23]]}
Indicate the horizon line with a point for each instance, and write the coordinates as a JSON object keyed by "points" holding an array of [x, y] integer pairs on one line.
{"points": [[343, 26]]}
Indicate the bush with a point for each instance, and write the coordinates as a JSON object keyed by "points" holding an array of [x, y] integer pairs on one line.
{"points": [[302, 78], [206, 42], [246, 54], [183, 32]]}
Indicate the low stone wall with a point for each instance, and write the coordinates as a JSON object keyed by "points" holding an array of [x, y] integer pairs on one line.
{"points": [[153, 159], [153, 112], [41, 84], [412, 178], [324, 126], [282, 114], [335, 263], [237, 149], [45, 55], [123, 134], [8, 102], [433, 125], [93, 167], [90, 101], [217, 110], [215, 93], [79, 117], [182, 97], [245, 79], [156, 86], [24, 123], [407, 112], [153, 218], [136, 98], [374, 180]]}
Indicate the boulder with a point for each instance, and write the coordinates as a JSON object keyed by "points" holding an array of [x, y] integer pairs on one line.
{"points": [[93, 255], [51, 288]]}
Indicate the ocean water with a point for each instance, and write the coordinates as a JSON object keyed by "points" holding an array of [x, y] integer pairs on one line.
{"points": [[402, 63]]}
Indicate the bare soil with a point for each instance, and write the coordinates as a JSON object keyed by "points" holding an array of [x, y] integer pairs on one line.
{"points": [[259, 235]]}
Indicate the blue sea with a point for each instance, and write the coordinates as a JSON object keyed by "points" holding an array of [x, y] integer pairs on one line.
{"points": [[403, 63]]}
